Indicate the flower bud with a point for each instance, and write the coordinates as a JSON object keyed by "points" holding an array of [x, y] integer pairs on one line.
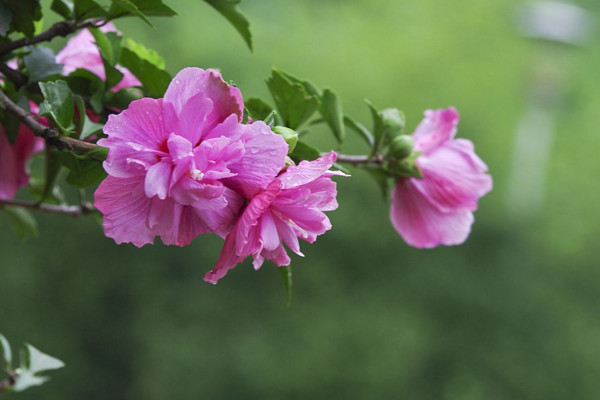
{"points": [[289, 135], [401, 147], [393, 121]]}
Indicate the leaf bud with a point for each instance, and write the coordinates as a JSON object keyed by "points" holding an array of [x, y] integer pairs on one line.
{"points": [[289, 135]]}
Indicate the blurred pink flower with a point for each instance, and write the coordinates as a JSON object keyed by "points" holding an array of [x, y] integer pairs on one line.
{"points": [[290, 207], [437, 209], [182, 166], [82, 52], [13, 160]]}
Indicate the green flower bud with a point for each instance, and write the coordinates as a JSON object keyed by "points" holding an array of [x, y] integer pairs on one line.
{"points": [[394, 120], [289, 135], [406, 167], [401, 147]]}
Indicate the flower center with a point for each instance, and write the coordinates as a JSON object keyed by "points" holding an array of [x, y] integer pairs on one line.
{"points": [[196, 174]]}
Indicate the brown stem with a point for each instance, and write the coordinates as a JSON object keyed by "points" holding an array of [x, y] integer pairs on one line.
{"points": [[51, 135], [14, 76], [356, 160], [62, 28], [62, 209]]}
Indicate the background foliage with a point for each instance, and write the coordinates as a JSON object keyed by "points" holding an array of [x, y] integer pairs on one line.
{"points": [[513, 314]]}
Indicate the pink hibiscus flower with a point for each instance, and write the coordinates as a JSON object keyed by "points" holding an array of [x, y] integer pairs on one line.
{"points": [[13, 160], [290, 207], [182, 166], [437, 209], [81, 52]]}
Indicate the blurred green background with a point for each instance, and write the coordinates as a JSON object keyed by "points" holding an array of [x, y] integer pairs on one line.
{"points": [[512, 314]]}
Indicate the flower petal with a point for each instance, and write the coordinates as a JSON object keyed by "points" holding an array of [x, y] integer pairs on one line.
{"points": [[263, 157], [125, 209], [438, 127], [158, 179], [306, 171], [454, 178], [189, 82], [422, 224]]}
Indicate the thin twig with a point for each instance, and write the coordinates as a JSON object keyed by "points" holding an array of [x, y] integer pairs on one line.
{"points": [[14, 76], [62, 28], [358, 160], [51, 135], [63, 209]]}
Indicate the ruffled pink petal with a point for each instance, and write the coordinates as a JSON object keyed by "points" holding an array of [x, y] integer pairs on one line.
{"points": [[137, 138], [262, 159], [190, 192], [158, 179], [190, 82], [421, 224], [278, 256], [228, 259], [306, 171], [247, 237], [439, 126], [191, 121], [183, 225], [125, 210], [220, 221], [454, 178], [269, 238], [141, 123]]}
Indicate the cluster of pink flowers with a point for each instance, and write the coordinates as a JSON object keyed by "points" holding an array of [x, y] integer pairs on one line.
{"points": [[185, 165], [438, 209]]}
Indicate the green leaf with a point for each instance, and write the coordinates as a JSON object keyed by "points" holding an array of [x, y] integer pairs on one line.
{"points": [[331, 110], [83, 9], [41, 63], [258, 108], [360, 129], [24, 14], [154, 80], [304, 151], [58, 100], [286, 277], [6, 352], [53, 167], [229, 9], [22, 222], [87, 84], [9, 121], [145, 53], [310, 88], [294, 103], [64, 8], [39, 362], [154, 8], [109, 45], [121, 99], [5, 19], [130, 8], [83, 171], [105, 45], [387, 124]]}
